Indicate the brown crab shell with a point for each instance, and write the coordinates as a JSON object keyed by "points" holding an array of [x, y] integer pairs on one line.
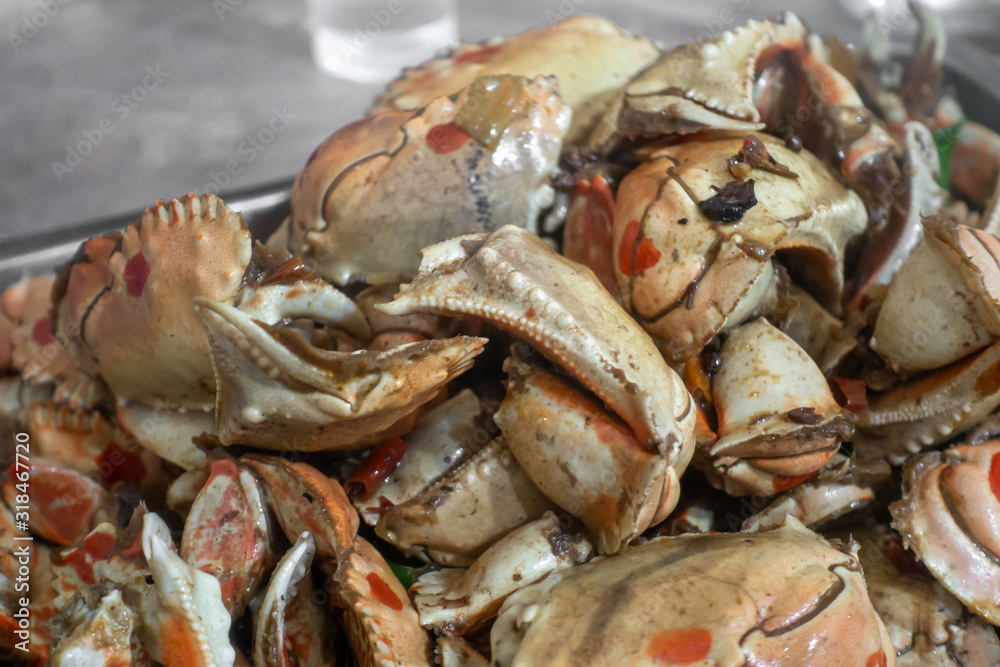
{"points": [[950, 517], [782, 597], [685, 277], [591, 57]]}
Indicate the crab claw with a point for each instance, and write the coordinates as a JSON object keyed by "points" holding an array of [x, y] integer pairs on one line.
{"points": [[382, 188], [706, 84], [950, 516], [467, 509], [227, 535], [277, 391], [513, 280], [607, 478], [187, 607], [930, 410], [291, 627], [382, 625], [945, 301], [687, 276], [776, 429], [455, 601], [304, 499]]}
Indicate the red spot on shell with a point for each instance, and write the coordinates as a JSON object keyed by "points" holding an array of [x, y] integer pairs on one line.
{"points": [[636, 252], [115, 464], [96, 547], [877, 659], [41, 333], [531, 314], [382, 594], [446, 138], [783, 483], [680, 646], [136, 273], [480, 56], [995, 475]]}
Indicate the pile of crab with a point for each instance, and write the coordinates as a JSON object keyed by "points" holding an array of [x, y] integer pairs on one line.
{"points": [[727, 311]]}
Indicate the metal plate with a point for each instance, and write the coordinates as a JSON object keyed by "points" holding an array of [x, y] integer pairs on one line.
{"points": [[968, 70]]}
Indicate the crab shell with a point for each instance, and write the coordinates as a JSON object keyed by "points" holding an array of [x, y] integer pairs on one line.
{"points": [[765, 383], [950, 517], [945, 301], [686, 278], [928, 626], [143, 331], [783, 597], [382, 188], [101, 637], [591, 57]]}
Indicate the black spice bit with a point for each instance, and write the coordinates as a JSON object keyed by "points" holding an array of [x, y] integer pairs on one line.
{"points": [[731, 203], [682, 221], [793, 143], [805, 416], [711, 363]]}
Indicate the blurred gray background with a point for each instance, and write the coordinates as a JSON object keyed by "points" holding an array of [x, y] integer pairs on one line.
{"points": [[169, 92]]}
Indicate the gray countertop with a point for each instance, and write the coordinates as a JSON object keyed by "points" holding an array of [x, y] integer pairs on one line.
{"points": [[168, 94]]}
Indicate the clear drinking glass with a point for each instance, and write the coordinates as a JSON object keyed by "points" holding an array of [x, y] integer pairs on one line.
{"points": [[371, 40]]}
